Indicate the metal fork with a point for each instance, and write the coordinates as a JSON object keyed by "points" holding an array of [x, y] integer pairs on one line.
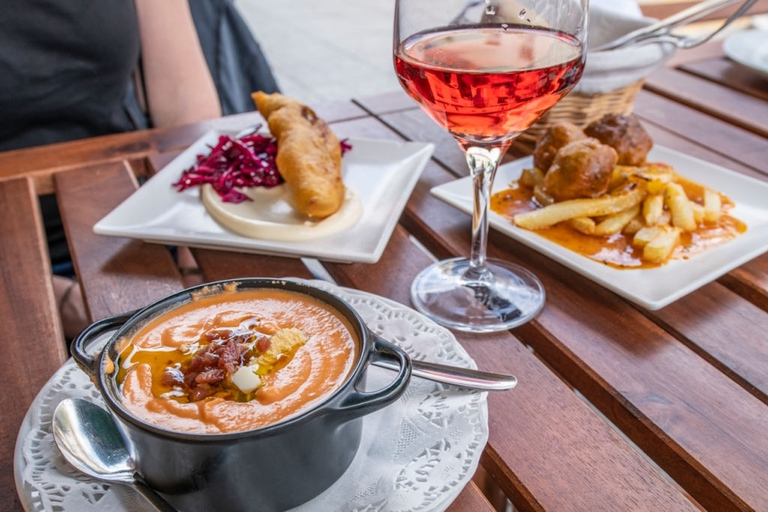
{"points": [[661, 31]]}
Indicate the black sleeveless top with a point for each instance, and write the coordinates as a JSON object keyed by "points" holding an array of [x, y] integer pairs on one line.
{"points": [[65, 70]]}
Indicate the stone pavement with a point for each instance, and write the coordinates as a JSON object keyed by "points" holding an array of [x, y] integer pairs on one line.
{"points": [[326, 50]]}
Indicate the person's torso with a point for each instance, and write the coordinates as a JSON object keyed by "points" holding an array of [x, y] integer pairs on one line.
{"points": [[65, 66]]}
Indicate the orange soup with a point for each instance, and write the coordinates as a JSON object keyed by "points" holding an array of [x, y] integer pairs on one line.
{"points": [[617, 250], [235, 361]]}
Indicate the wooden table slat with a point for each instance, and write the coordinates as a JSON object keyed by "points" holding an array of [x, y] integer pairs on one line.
{"points": [[707, 322], [726, 72], [471, 499], [33, 341], [704, 137], [750, 281], [117, 274], [237, 265], [733, 106]]}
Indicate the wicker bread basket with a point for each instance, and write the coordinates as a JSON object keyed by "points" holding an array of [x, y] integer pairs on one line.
{"points": [[582, 109]]}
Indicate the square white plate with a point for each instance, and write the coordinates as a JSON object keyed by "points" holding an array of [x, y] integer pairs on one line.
{"points": [[657, 287], [382, 172]]}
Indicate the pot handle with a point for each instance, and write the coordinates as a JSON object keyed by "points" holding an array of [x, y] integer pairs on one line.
{"points": [[360, 403], [78, 348]]}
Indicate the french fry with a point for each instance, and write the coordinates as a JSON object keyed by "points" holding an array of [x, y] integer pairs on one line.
{"points": [[661, 246], [653, 206], [656, 177], [620, 175], [558, 212], [698, 212], [658, 183], [634, 225], [532, 177], [712, 205], [583, 225], [679, 206], [644, 236], [542, 197], [656, 168], [616, 222]]}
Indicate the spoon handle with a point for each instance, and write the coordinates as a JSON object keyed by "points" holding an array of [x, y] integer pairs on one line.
{"points": [[462, 377], [155, 499]]}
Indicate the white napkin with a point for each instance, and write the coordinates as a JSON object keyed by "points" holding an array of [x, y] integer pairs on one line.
{"points": [[610, 70]]}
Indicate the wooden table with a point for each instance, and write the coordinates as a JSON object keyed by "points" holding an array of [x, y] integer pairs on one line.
{"points": [[618, 408]]}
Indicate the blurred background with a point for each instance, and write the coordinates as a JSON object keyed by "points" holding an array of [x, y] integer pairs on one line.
{"points": [[328, 50]]}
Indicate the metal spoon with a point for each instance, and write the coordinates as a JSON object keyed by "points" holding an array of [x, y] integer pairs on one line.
{"points": [[462, 377], [89, 439]]}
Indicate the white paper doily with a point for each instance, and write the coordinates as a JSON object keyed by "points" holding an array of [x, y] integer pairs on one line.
{"points": [[415, 455]]}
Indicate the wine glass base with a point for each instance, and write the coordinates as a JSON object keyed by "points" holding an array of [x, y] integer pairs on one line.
{"points": [[504, 296]]}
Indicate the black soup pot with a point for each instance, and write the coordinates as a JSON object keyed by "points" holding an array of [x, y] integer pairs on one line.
{"points": [[271, 468]]}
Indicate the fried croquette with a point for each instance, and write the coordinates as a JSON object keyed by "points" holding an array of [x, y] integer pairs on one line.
{"points": [[308, 154], [556, 136], [625, 134], [581, 169]]}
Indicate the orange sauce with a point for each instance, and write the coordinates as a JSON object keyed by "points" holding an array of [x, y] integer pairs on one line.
{"points": [[316, 369], [617, 250]]}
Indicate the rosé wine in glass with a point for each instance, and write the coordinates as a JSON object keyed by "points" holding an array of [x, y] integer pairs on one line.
{"points": [[487, 83], [485, 76]]}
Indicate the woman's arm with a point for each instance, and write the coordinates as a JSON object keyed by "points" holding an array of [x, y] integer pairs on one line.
{"points": [[179, 86]]}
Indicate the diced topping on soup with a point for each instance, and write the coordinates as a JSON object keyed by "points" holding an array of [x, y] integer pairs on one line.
{"points": [[227, 362], [284, 341]]}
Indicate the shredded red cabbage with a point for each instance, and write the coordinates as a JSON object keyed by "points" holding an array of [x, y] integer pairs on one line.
{"points": [[245, 162], [236, 163]]}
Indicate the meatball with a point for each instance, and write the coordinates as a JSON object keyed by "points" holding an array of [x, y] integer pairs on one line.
{"points": [[625, 134], [581, 169], [556, 136]]}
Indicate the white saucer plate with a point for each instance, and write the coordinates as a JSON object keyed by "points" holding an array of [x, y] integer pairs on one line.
{"points": [[416, 454]]}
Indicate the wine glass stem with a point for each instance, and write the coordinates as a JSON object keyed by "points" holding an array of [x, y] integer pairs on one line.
{"points": [[483, 162]]}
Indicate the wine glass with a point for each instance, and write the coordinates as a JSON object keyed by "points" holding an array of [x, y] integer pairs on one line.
{"points": [[485, 71]]}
